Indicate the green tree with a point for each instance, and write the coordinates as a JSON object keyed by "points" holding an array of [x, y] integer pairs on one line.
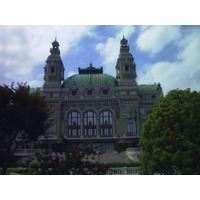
{"points": [[171, 135], [23, 117], [74, 161]]}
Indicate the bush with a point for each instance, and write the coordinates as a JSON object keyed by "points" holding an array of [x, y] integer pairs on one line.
{"points": [[72, 162], [120, 147]]}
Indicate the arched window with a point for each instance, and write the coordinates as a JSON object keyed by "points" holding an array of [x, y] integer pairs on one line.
{"points": [[90, 122], [52, 129], [74, 124], [106, 124]]}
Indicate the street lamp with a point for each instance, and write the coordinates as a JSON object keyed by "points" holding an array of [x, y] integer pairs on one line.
{"points": [[134, 115]]}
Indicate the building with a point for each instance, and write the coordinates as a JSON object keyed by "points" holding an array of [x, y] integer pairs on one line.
{"points": [[95, 108]]}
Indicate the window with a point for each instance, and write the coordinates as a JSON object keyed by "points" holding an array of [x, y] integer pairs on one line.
{"points": [[105, 92], [52, 70], [74, 124], [126, 68], [74, 93], [51, 130], [90, 92], [90, 122], [106, 123], [142, 111], [106, 147], [129, 128]]}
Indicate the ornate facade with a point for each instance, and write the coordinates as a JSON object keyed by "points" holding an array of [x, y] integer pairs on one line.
{"points": [[94, 107]]}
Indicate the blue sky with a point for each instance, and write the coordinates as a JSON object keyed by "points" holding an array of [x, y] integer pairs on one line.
{"points": [[166, 54]]}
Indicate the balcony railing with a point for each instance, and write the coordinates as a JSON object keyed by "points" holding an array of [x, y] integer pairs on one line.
{"points": [[123, 171], [26, 152]]}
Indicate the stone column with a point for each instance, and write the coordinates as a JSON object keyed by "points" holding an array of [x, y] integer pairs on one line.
{"points": [[98, 126], [114, 126], [81, 128], [58, 119]]}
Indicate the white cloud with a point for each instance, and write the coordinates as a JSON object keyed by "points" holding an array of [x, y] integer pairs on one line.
{"points": [[110, 49], [183, 73], [24, 47], [153, 39], [35, 83], [71, 73]]}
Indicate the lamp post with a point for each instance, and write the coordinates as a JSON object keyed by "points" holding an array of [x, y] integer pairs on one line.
{"points": [[134, 115], [134, 151]]}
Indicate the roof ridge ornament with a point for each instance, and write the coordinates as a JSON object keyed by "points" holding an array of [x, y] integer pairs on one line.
{"points": [[90, 70]]}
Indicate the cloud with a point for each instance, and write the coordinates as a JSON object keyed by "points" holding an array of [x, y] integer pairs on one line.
{"points": [[153, 39], [36, 80], [22, 48], [110, 49], [184, 72], [71, 73]]}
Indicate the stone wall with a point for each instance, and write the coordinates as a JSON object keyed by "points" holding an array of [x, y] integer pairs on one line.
{"points": [[112, 157]]}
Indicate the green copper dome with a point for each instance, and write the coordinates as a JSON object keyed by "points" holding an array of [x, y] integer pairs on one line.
{"points": [[83, 80]]}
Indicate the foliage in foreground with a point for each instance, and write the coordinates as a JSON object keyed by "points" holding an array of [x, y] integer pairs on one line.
{"points": [[171, 136], [73, 162], [120, 147], [23, 117]]}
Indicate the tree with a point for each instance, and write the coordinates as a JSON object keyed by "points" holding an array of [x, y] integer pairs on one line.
{"points": [[74, 161], [171, 135], [23, 117]]}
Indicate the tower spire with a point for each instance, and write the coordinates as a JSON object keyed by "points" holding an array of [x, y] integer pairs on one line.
{"points": [[56, 36], [125, 67], [54, 69]]}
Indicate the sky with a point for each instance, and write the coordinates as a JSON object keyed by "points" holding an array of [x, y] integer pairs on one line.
{"points": [[169, 55]]}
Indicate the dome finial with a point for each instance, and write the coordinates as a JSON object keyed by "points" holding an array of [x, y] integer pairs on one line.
{"points": [[55, 45], [56, 36], [124, 42]]}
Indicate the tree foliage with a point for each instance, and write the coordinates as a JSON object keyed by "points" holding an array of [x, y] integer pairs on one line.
{"points": [[171, 136], [75, 161], [120, 147], [23, 117]]}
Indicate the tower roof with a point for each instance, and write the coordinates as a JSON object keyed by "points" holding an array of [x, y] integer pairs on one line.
{"points": [[55, 42], [55, 49], [124, 42], [124, 48]]}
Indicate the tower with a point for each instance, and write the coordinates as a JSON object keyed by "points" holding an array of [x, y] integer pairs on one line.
{"points": [[54, 69], [125, 67]]}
